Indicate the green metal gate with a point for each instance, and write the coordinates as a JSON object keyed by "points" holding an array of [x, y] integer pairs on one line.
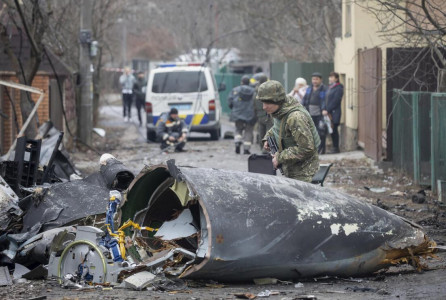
{"points": [[419, 135], [231, 81], [290, 70]]}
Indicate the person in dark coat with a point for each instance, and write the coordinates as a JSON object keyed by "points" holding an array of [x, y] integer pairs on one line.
{"points": [[172, 131], [333, 100], [314, 102], [241, 103], [139, 90]]}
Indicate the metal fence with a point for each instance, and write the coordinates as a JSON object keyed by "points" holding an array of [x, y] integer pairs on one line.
{"points": [[284, 72], [419, 135], [231, 80], [287, 72]]}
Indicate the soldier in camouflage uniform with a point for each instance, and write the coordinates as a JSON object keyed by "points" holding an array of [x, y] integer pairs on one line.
{"points": [[293, 130]]}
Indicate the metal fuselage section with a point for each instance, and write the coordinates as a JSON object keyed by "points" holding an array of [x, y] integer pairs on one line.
{"points": [[254, 225]]}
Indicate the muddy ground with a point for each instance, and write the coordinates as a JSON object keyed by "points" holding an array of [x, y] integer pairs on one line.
{"points": [[351, 172]]}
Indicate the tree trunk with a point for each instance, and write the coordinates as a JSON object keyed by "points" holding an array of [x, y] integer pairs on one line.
{"points": [[97, 88], [441, 86]]}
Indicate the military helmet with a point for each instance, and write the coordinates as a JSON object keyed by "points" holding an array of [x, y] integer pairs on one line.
{"points": [[271, 91]]}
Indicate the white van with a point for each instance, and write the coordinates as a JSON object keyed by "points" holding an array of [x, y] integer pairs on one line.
{"points": [[190, 88]]}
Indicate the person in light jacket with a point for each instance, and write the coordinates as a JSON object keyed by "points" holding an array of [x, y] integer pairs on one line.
{"points": [[126, 81]]}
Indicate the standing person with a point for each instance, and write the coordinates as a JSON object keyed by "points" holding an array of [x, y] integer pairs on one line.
{"points": [[241, 103], [264, 121], [127, 80], [334, 98], [139, 90], [293, 130], [314, 102], [300, 87], [172, 131]]}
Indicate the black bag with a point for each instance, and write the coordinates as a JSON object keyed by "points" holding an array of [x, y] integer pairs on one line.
{"points": [[261, 163]]}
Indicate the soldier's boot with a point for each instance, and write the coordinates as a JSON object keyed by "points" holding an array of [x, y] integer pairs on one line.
{"points": [[237, 147]]}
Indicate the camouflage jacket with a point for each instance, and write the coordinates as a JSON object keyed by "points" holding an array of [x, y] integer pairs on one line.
{"points": [[297, 145]]}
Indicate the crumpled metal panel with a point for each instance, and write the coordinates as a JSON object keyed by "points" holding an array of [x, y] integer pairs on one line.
{"points": [[267, 226], [63, 203], [9, 208]]}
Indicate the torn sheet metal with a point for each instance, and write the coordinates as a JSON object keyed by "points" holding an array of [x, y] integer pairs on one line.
{"points": [[254, 225], [9, 209], [5, 278], [63, 167], [178, 228], [66, 203], [36, 250]]}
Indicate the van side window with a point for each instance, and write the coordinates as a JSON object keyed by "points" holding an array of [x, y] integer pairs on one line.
{"points": [[179, 82]]}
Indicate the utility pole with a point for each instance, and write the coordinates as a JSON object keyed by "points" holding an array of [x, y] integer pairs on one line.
{"points": [[85, 124]]}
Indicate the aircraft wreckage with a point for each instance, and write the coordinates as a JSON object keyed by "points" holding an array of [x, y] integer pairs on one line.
{"points": [[235, 226]]}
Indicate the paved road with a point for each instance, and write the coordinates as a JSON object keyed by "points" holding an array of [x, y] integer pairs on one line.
{"points": [[127, 142]]}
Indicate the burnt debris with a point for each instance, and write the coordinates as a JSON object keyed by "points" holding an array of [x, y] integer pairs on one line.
{"points": [[170, 222]]}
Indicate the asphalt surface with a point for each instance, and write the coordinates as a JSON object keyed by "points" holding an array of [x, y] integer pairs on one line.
{"points": [[351, 171]]}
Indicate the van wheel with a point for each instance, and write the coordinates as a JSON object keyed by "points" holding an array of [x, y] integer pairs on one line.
{"points": [[151, 136], [215, 134]]}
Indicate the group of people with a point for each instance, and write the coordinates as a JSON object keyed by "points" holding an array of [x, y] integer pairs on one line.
{"points": [[322, 103], [133, 88], [298, 121]]}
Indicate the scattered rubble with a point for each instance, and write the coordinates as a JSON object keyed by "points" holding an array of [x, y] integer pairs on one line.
{"points": [[169, 223]]}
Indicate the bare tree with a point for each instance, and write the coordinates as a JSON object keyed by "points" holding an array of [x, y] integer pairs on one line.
{"points": [[63, 36], [30, 21], [416, 24], [269, 30]]}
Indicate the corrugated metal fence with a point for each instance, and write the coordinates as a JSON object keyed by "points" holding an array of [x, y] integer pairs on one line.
{"points": [[284, 72], [287, 72], [419, 135], [231, 80]]}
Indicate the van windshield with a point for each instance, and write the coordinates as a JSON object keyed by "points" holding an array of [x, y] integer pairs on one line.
{"points": [[179, 82]]}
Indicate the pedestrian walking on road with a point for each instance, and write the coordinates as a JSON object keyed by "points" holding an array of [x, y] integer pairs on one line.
{"points": [[139, 90], [334, 96], [293, 131], [300, 87], [126, 81], [241, 103], [314, 102]]}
